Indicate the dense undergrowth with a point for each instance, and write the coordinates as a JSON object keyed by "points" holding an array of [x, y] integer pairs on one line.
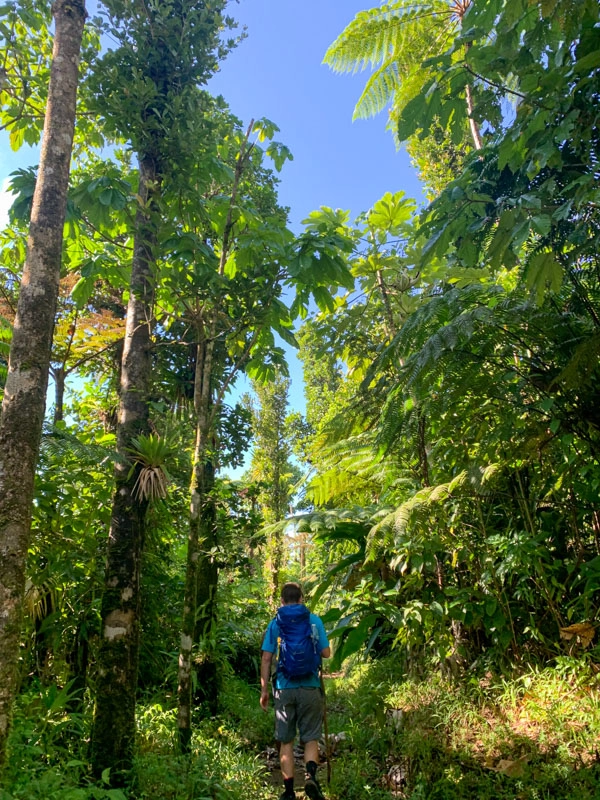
{"points": [[533, 737]]}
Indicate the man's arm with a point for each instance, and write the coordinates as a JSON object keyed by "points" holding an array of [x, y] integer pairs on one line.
{"points": [[323, 640], [265, 674]]}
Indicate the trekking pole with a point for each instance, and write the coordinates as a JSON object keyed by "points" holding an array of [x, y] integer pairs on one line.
{"points": [[326, 729]]}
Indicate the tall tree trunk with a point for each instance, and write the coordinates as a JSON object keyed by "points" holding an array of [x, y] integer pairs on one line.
{"points": [[275, 561], [201, 566], [422, 448], [473, 125], [207, 579], [113, 732], [275, 538], [27, 381], [201, 525]]}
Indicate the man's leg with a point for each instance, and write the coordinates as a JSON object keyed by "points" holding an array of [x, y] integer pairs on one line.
{"points": [[285, 732], [311, 752], [286, 759], [311, 760], [310, 721]]}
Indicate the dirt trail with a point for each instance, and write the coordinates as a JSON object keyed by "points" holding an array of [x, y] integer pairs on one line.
{"points": [[271, 759]]}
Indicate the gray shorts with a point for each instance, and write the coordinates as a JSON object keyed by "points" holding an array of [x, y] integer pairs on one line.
{"points": [[301, 708]]}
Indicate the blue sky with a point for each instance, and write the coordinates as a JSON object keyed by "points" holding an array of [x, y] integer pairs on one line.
{"points": [[277, 72]]}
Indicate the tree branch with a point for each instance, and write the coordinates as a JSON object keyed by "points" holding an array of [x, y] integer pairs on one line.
{"points": [[501, 87]]}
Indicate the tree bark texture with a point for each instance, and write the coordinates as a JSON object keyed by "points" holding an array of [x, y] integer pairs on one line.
{"points": [[113, 732], [24, 401]]}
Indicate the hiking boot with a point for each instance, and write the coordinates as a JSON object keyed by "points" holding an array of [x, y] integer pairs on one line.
{"points": [[313, 789], [288, 796]]}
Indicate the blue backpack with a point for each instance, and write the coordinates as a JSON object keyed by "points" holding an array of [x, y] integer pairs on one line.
{"points": [[298, 654]]}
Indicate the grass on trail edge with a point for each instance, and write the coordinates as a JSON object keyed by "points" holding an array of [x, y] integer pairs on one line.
{"points": [[534, 737]]}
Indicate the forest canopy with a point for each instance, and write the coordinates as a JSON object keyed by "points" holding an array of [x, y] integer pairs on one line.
{"points": [[438, 498]]}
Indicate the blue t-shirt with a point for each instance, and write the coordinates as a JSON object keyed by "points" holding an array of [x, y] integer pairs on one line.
{"points": [[271, 645]]}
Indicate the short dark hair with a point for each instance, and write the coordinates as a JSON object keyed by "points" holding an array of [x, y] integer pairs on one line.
{"points": [[291, 593]]}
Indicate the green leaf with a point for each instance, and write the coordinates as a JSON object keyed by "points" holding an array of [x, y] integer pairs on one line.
{"points": [[231, 266], [542, 224], [280, 154], [589, 62], [323, 298], [544, 273], [436, 608], [353, 640], [106, 197], [265, 129], [82, 291], [16, 137], [502, 239], [391, 211]]}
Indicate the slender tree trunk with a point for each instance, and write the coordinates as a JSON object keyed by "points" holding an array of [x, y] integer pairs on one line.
{"points": [[207, 566], [473, 126], [59, 392], [596, 530], [78, 657], [276, 537], [201, 567], [42, 643], [27, 381], [275, 561], [422, 449], [303, 544], [113, 733], [475, 132], [200, 514], [207, 579], [390, 325]]}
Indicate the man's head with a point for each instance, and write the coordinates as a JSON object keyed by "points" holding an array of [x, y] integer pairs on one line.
{"points": [[291, 593]]}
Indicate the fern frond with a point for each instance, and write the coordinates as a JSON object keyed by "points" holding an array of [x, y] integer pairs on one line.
{"points": [[581, 365], [61, 443], [415, 514], [381, 537], [374, 35], [352, 470], [378, 92]]}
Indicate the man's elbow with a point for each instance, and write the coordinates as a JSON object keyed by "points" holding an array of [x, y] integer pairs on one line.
{"points": [[326, 652]]}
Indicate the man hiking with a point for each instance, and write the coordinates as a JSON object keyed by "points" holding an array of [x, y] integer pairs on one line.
{"points": [[299, 638]]}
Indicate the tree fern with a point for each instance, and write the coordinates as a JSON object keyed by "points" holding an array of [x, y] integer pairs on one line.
{"points": [[379, 33], [393, 40], [58, 443], [378, 92], [350, 469]]}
